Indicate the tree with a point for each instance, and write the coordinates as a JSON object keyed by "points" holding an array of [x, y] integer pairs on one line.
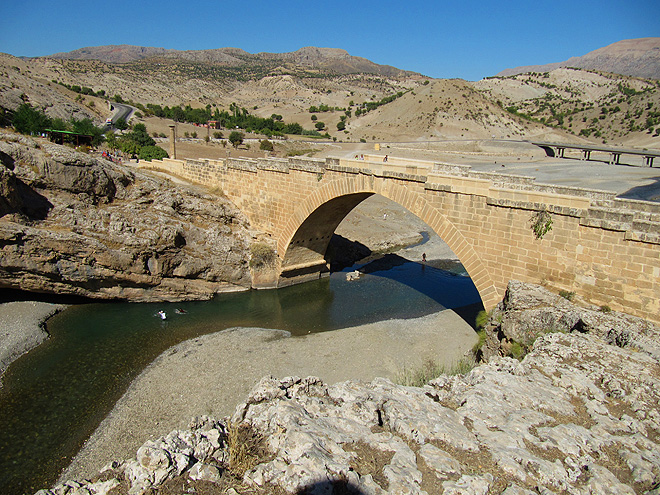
{"points": [[87, 127], [293, 128], [28, 120], [121, 124], [341, 125], [266, 145], [111, 140], [320, 126], [236, 138], [140, 135]]}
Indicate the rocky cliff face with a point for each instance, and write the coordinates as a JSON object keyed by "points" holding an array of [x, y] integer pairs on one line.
{"points": [[74, 224], [576, 415]]}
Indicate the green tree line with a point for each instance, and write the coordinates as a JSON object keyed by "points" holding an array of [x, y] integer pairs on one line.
{"points": [[230, 119], [32, 121]]}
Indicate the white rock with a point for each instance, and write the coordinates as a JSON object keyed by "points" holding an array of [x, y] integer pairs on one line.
{"points": [[204, 472]]}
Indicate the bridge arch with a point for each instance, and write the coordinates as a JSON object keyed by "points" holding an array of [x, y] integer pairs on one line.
{"points": [[303, 241]]}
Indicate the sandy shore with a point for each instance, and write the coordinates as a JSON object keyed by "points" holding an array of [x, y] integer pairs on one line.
{"points": [[22, 328], [214, 373]]}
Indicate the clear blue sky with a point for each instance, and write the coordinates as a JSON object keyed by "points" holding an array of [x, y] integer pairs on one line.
{"points": [[468, 39]]}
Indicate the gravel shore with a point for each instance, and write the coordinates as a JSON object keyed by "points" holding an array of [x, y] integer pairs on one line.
{"points": [[22, 328], [214, 373]]}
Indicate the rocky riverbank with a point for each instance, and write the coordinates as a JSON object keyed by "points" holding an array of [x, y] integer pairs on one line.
{"points": [[75, 224], [22, 328], [577, 414]]}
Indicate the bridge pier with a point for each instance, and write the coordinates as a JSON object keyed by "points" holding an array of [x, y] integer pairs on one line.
{"points": [[303, 272]]}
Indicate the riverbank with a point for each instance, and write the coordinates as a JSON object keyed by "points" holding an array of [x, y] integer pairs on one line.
{"points": [[577, 414], [212, 374], [22, 328]]}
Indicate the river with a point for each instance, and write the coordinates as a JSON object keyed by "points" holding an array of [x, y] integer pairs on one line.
{"points": [[55, 396]]}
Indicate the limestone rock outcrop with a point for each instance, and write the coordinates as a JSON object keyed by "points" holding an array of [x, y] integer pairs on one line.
{"points": [[529, 311], [74, 224], [577, 415]]}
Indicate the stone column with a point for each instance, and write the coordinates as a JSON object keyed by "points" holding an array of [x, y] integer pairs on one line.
{"points": [[173, 142]]}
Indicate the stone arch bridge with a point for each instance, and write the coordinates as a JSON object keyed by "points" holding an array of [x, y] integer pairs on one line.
{"points": [[605, 249]]}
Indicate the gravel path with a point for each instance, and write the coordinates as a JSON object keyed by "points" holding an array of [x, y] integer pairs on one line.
{"points": [[214, 373], [22, 328]]}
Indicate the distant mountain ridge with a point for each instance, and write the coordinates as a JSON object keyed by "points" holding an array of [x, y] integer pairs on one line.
{"points": [[636, 57], [335, 60]]}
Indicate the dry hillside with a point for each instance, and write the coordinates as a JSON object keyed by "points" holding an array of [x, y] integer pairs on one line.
{"points": [[637, 57], [371, 102], [602, 107]]}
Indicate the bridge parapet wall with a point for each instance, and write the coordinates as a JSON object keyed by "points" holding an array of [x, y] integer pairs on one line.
{"points": [[605, 249]]}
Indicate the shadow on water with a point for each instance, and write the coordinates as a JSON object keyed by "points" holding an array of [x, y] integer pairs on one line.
{"points": [[449, 289], [56, 395]]}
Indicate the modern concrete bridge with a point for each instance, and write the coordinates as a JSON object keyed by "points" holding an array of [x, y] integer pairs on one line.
{"points": [[559, 150], [605, 249]]}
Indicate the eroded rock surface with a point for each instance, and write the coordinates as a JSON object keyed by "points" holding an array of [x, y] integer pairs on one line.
{"points": [[529, 311], [74, 224], [578, 415]]}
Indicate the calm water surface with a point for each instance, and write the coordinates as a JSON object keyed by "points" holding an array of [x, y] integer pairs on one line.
{"points": [[54, 397]]}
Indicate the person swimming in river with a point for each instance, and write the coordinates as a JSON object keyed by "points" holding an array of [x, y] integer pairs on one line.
{"points": [[162, 314], [180, 311]]}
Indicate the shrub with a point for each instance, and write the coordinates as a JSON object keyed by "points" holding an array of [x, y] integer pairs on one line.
{"points": [[482, 319], [266, 145], [480, 343], [149, 153], [246, 448], [261, 255], [567, 295], [430, 370], [541, 223], [518, 350]]}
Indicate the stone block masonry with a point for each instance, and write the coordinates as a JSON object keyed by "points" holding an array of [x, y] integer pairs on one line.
{"points": [[605, 249]]}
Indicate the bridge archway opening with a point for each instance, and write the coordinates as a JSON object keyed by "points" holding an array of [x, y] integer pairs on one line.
{"points": [[305, 255], [370, 220]]}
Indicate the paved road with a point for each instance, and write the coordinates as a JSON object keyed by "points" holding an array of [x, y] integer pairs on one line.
{"points": [[121, 112]]}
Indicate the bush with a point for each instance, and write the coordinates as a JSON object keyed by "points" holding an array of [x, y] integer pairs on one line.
{"points": [[266, 145], [261, 255], [149, 153], [541, 223]]}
